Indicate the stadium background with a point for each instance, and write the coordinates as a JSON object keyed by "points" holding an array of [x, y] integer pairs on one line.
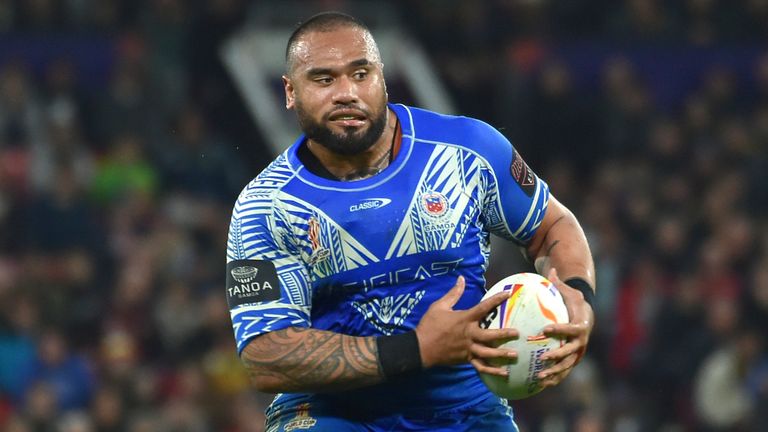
{"points": [[124, 141]]}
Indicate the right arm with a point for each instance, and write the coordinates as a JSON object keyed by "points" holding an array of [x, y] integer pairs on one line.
{"points": [[310, 360], [303, 359]]}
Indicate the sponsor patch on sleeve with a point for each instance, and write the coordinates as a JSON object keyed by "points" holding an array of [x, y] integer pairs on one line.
{"points": [[251, 281], [522, 174]]}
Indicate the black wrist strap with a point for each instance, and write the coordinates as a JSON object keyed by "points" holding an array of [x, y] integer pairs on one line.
{"points": [[585, 288], [399, 353]]}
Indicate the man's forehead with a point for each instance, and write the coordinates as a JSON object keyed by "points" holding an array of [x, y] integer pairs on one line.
{"points": [[339, 45]]}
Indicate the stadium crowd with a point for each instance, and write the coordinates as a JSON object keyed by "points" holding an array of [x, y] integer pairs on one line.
{"points": [[115, 194]]}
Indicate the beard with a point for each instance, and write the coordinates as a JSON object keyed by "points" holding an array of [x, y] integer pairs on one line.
{"points": [[351, 141]]}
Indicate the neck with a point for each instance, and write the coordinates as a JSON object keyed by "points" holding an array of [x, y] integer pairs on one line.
{"points": [[362, 165]]}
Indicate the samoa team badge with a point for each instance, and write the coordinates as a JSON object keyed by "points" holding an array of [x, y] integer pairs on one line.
{"points": [[434, 204]]}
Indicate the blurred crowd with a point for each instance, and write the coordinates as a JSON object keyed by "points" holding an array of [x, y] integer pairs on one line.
{"points": [[115, 202]]}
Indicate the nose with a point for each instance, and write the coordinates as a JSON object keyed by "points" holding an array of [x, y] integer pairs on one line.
{"points": [[346, 91]]}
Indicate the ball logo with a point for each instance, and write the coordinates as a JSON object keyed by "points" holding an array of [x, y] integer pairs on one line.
{"points": [[244, 274], [504, 310], [546, 312], [434, 204], [508, 306]]}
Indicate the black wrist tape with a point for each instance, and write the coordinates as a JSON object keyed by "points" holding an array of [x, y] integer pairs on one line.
{"points": [[585, 288], [399, 353]]}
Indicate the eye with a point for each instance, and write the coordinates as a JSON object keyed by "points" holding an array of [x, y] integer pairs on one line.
{"points": [[323, 80], [360, 75]]}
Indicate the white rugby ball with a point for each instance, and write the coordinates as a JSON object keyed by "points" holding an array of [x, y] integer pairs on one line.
{"points": [[535, 303]]}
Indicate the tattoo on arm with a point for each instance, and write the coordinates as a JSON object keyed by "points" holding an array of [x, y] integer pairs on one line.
{"points": [[552, 246], [302, 359], [555, 242]]}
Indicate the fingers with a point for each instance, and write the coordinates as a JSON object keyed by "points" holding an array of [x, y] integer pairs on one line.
{"points": [[493, 336], [565, 330], [480, 310], [555, 379], [557, 372], [564, 360], [552, 276], [453, 295], [564, 351], [484, 352], [490, 370]]}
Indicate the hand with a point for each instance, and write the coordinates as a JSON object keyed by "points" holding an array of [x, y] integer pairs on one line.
{"points": [[576, 334], [448, 337]]}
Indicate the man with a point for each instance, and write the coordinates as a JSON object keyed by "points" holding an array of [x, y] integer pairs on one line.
{"points": [[355, 260]]}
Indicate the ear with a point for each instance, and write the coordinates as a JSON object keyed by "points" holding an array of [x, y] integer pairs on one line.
{"points": [[290, 97], [383, 81]]}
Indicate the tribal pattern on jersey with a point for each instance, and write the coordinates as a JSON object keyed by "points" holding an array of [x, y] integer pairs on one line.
{"points": [[368, 257], [443, 206]]}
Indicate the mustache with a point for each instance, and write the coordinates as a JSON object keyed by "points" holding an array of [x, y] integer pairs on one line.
{"points": [[343, 108]]}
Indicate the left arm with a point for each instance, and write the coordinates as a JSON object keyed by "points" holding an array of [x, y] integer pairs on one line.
{"points": [[560, 251], [517, 206], [560, 243]]}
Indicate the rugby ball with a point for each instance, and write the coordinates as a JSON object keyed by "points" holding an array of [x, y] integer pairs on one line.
{"points": [[534, 303]]}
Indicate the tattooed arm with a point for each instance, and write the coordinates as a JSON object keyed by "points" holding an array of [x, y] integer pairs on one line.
{"points": [[560, 243], [297, 359], [302, 359], [560, 252]]}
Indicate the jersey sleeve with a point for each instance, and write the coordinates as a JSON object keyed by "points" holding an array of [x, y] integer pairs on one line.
{"points": [[268, 286], [515, 198]]}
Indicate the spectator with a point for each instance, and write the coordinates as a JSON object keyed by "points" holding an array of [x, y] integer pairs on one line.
{"points": [[721, 390], [124, 171], [116, 157], [67, 376]]}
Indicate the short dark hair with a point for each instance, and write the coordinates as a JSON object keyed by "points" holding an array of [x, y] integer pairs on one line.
{"points": [[322, 22]]}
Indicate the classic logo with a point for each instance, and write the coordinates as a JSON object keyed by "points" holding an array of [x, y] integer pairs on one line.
{"points": [[371, 203], [244, 274], [434, 204], [319, 253], [302, 420]]}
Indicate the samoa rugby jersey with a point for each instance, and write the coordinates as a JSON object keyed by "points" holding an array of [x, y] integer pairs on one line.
{"points": [[368, 257]]}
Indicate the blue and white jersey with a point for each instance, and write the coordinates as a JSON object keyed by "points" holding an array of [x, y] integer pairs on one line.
{"points": [[368, 257]]}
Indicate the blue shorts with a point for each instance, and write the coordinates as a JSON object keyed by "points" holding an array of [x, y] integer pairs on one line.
{"points": [[491, 415]]}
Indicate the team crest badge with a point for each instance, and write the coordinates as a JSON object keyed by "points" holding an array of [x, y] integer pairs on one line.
{"points": [[319, 253], [434, 204]]}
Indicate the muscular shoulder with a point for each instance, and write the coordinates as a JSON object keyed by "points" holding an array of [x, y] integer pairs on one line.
{"points": [[264, 188], [472, 134]]}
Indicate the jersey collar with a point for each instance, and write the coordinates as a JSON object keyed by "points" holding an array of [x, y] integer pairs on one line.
{"points": [[406, 125]]}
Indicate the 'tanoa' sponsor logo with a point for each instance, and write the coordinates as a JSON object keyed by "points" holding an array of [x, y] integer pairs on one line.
{"points": [[371, 203], [252, 289], [251, 281]]}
